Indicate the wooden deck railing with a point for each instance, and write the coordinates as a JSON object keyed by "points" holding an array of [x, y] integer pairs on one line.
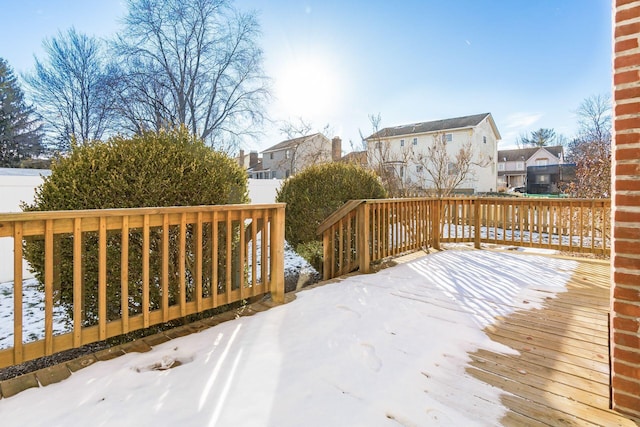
{"points": [[118, 270], [364, 231]]}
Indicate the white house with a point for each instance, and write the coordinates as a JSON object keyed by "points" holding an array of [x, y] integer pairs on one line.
{"points": [[513, 164], [404, 151], [291, 156]]}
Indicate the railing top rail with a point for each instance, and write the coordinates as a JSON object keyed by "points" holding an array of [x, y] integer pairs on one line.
{"points": [[338, 215], [94, 213], [544, 199]]}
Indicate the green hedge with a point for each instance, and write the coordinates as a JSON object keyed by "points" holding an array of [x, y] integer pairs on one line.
{"points": [[318, 191], [154, 169]]}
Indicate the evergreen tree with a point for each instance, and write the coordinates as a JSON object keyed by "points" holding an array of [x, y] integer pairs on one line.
{"points": [[539, 138], [20, 132]]}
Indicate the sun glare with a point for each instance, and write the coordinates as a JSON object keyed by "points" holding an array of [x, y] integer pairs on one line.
{"points": [[307, 88]]}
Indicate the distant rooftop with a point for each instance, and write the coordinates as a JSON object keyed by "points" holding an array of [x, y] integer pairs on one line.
{"points": [[432, 126], [525, 153]]}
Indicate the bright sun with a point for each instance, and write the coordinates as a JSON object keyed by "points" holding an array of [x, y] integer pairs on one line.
{"points": [[307, 88]]}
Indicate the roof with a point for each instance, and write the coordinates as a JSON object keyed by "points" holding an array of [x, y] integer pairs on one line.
{"points": [[291, 143], [435, 126], [359, 157], [520, 154]]}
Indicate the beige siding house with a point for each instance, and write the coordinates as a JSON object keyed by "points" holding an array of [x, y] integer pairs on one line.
{"points": [[402, 150], [293, 155]]}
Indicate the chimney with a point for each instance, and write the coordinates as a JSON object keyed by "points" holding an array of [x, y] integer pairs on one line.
{"points": [[253, 159], [336, 148], [241, 158]]}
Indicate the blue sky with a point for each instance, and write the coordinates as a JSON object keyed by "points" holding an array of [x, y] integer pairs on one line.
{"points": [[529, 63]]}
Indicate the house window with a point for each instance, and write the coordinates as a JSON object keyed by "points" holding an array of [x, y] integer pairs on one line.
{"points": [[402, 143], [419, 168], [501, 166], [447, 137], [542, 179], [287, 173], [542, 162], [452, 168], [484, 139], [271, 156], [378, 145], [401, 171], [520, 166], [415, 141]]}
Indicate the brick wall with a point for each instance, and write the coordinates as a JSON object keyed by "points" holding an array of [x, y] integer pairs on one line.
{"points": [[625, 301]]}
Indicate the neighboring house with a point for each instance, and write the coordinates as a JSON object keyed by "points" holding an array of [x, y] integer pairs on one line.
{"points": [[402, 151], [513, 164], [252, 163], [293, 155]]}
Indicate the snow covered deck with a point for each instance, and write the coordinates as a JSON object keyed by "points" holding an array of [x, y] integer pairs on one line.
{"points": [[459, 337]]}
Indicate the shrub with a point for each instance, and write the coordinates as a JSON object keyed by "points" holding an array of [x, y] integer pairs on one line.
{"points": [[312, 252], [316, 192], [154, 169]]}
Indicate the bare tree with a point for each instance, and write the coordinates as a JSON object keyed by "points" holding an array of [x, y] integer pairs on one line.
{"points": [[389, 164], [443, 171], [192, 62], [433, 166], [72, 88], [591, 150]]}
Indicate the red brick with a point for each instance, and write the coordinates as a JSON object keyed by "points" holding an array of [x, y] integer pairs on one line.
{"points": [[626, 30], [630, 357], [626, 14], [626, 404], [622, 384], [619, 3], [626, 339], [628, 138], [629, 93], [626, 60], [627, 200], [621, 217], [627, 169], [632, 123], [627, 184], [627, 247], [627, 309], [626, 279], [627, 44], [626, 325], [628, 153], [625, 369], [633, 108], [625, 232]]}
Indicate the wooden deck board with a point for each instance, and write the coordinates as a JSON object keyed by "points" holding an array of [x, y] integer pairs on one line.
{"points": [[560, 373]]}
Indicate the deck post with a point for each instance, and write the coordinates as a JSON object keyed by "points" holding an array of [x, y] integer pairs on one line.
{"points": [[435, 223], [277, 255], [476, 223], [363, 238]]}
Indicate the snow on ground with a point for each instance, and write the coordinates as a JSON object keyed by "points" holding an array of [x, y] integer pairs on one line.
{"points": [[370, 350], [32, 314], [33, 303]]}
